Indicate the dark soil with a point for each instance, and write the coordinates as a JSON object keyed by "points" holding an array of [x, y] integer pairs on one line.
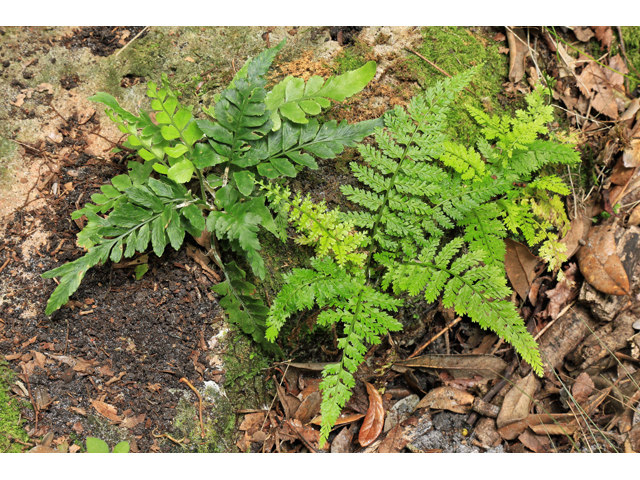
{"points": [[103, 41]]}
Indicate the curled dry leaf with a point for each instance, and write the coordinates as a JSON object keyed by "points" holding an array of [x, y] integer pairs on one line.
{"points": [[447, 398], [582, 388], [600, 264], [518, 53], [560, 294], [634, 218], [373, 420], [519, 263], [342, 442], [106, 410], [631, 155], [517, 402]]}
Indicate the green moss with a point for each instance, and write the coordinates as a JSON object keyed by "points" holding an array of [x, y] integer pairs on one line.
{"points": [[456, 49], [352, 57], [631, 37], [10, 421]]}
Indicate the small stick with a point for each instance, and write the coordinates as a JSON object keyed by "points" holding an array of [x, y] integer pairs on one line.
{"points": [[184, 380], [444, 330], [129, 43], [428, 61], [4, 264]]}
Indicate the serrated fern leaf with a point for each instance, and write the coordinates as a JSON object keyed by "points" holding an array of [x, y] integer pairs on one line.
{"points": [[294, 99]]}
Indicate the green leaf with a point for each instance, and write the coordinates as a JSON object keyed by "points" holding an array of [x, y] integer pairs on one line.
{"points": [[111, 102], [123, 447], [169, 132], [181, 118], [343, 86], [245, 182], [192, 133], [268, 170], [95, 445], [160, 168], [121, 182], [215, 131], [284, 167], [177, 151], [145, 198], [174, 231], [158, 237], [140, 270], [194, 215], [205, 156], [293, 112], [226, 196], [181, 172]]}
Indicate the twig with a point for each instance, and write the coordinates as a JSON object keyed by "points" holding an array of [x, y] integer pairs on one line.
{"points": [[471, 419], [428, 61], [129, 43], [179, 442], [35, 405], [448, 327], [4, 264], [562, 312], [184, 380]]}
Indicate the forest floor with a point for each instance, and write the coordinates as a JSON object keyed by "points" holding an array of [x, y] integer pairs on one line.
{"points": [[153, 361]]}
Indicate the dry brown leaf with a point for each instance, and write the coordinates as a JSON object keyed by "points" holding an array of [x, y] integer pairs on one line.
{"points": [[554, 429], [621, 174], [578, 231], [373, 420], [631, 155], [79, 411], [133, 421], [537, 443], [604, 35], [447, 398], [600, 264], [583, 33], [460, 366], [560, 294], [513, 430], [634, 218], [39, 358], [342, 442], [518, 53], [520, 264], [342, 419], [289, 403], [395, 440], [106, 410], [582, 388], [517, 402], [294, 427], [309, 407]]}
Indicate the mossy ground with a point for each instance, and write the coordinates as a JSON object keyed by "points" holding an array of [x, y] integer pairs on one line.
{"points": [[631, 37], [10, 422], [455, 50]]}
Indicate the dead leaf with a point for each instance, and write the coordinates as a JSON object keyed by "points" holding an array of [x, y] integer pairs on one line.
{"points": [[106, 410], [77, 427], [578, 230], [520, 264], [600, 264], [79, 411], [373, 420], [296, 429], [252, 422], [518, 53], [517, 402], [447, 398], [39, 359], [560, 294], [513, 430], [582, 388], [45, 86], [604, 35], [554, 429], [395, 440], [460, 366], [583, 33], [132, 263], [631, 155], [85, 115], [289, 403], [309, 407], [74, 448], [634, 218], [342, 419], [342, 442], [537, 443], [132, 421], [19, 100]]}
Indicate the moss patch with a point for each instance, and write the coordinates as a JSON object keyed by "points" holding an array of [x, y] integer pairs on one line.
{"points": [[455, 50], [10, 422], [631, 37], [352, 57]]}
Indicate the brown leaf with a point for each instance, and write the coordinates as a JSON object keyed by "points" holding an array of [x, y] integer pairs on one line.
{"points": [[518, 53], [631, 156], [600, 264], [604, 35], [517, 402], [460, 366], [447, 398], [520, 264], [79, 410], [560, 294], [583, 33], [554, 429], [106, 410], [537, 443], [289, 403], [295, 428], [342, 419], [634, 218], [133, 421], [578, 230], [373, 420], [342, 442], [582, 388], [309, 407], [252, 422], [394, 442], [511, 431]]}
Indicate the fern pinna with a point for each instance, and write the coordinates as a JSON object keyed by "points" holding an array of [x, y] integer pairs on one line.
{"points": [[434, 215]]}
